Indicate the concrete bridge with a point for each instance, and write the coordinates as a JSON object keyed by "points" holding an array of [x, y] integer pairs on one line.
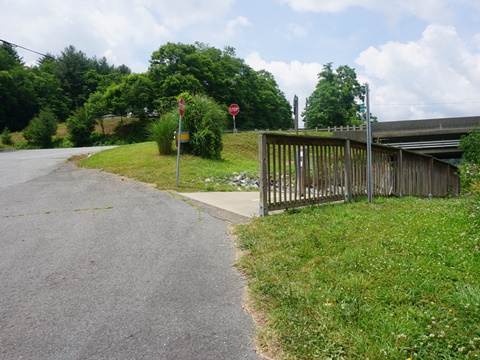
{"points": [[436, 137]]}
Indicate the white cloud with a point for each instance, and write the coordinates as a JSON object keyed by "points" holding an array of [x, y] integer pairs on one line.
{"points": [[118, 30], [433, 77], [294, 78], [430, 10], [234, 26], [296, 31]]}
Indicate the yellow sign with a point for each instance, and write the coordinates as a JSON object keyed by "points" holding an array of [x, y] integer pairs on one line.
{"points": [[184, 137]]}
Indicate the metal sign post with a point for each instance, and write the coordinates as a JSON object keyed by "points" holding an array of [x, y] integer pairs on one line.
{"points": [[234, 109], [369, 144], [181, 110], [295, 112]]}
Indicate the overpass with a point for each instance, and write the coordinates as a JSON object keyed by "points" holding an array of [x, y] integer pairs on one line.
{"points": [[436, 137]]}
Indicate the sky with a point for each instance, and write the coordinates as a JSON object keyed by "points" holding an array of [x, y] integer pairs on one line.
{"points": [[421, 58]]}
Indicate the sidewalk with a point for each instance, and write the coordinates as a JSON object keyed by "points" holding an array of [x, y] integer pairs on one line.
{"points": [[243, 204]]}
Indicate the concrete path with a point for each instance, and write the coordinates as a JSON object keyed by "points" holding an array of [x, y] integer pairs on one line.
{"points": [[96, 267], [243, 203]]}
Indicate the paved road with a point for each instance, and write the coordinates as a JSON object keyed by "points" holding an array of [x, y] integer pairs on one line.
{"points": [[96, 267]]}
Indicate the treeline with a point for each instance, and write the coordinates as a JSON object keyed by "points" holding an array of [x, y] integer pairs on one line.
{"points": [[65, 83]]}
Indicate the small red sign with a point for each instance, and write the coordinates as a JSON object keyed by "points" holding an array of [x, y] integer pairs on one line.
{"points": [[181, 106], [234, 109]]}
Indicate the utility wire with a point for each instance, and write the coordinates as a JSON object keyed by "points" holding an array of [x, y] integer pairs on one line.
{"points": [[15, 45]]}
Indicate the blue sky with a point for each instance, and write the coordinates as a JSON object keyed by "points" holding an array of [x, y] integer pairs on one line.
{"points": [[421, 58]]}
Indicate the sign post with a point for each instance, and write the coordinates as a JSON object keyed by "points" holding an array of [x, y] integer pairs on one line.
{"points": [[234, 109], [181, 110], [295, 112]]}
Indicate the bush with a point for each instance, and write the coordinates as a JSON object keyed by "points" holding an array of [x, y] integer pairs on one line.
{"points": [[80, 127], [41, 128], [471, 146], [162, 132], [7, 137], [206, 121], [469, 177]]}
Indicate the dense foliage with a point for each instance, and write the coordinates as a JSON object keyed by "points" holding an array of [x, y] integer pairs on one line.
{"points": [[334, 101], [72, 80], [201, 69], [61, 84], [471, 146], [80, 127], [41, 128]]}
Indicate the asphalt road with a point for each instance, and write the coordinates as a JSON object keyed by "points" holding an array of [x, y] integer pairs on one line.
{"points": [[96, 267]]}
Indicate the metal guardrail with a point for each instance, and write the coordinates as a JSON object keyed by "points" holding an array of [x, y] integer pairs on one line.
{"points": [[427, 144], [303, 170]]}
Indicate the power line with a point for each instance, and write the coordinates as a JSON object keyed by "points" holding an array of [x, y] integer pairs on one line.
{"points": [[22, 47]]}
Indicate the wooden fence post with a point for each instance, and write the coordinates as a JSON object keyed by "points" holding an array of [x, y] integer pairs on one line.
{"points": [[264, 187], [400, 174], [348, 172], [430, 178]]}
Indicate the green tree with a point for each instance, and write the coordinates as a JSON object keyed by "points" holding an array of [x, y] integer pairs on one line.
{"points": [[70, 69], [96, 107], [41, 128], [201, 69], [80, 127], [334, 100], [470, 144]]}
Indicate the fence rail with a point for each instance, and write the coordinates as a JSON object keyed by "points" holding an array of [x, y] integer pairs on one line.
{"points": [[303, 170]]}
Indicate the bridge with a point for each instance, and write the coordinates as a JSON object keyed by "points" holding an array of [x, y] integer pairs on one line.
{"points": [[436, 137]]}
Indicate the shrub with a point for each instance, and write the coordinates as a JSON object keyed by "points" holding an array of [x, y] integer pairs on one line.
{"points": [[41, 128], [162, 132], [206, 121], [7, 137], [471, 146], [80, 127]]}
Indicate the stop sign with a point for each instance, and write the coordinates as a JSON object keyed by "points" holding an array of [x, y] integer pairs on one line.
{"points": [[181, 106], [234, 109]]}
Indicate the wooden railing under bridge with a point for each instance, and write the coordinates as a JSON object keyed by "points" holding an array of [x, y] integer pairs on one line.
{"points": [[304, 170]]}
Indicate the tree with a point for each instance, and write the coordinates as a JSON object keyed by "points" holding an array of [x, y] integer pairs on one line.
{"points": [[201, 69], [71, 67], [470, 144], [333, 102], [41, 128], [96, 108], [80, 127]]}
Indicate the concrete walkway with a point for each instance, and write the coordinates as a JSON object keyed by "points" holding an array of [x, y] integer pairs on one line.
{"points": [[244, 204]]}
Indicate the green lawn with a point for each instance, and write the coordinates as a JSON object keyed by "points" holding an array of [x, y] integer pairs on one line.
{"points": [[142, 162], [396, 279]]}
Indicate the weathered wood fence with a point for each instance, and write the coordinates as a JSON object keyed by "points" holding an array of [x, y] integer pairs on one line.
{"points": [[303, 170]]}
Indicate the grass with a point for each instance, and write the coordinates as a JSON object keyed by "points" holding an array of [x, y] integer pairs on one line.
{"points": [[143, 163], [395, 279]]}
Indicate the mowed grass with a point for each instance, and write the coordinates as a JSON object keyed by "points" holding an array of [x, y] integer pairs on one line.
{"points": [[396, 279], [143, 163]]}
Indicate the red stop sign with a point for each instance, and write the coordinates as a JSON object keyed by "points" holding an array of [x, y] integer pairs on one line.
{"points": [[181, 106], [234, 109]]}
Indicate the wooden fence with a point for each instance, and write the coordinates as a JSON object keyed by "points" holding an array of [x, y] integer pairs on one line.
{"points": [[304, 170]]}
